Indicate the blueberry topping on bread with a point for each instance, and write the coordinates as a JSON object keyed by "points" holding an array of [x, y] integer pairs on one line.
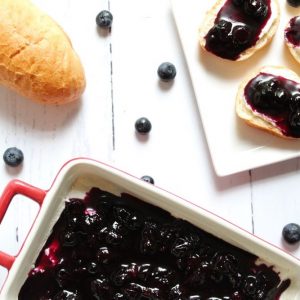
{"points": [[236, 29], [270, 100]]}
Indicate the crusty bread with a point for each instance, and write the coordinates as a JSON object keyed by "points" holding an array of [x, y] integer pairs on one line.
{"points": [[294, 50], [265, 36], [257, 120], [36, 56]]}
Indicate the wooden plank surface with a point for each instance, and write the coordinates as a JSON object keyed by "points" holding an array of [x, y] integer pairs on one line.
{"points": [[122, 85]]}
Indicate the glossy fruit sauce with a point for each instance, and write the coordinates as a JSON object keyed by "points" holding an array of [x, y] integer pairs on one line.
{"points": [[237, 27], [292, 32], [108, 247], [278, 99]]}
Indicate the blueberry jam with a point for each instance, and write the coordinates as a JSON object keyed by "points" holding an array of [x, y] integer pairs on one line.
{"points": [[237, 27], [109, 247], [278, 99], [292, 31]]}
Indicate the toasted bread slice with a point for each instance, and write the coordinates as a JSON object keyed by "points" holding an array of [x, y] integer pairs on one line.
{"points": [[259, 120]]}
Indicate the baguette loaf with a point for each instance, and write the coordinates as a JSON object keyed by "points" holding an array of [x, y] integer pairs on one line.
{"points": [[260, 120], [264, 37], [36, 56]]}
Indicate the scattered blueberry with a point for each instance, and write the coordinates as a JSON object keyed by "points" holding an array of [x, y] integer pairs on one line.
{"points": [[104, 19], [291, 233], [143, 125], [148, 179], [13, 157], [294, 3], [166, 71]]}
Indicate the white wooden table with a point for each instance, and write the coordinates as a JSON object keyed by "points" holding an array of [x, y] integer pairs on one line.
{"points": [[122, 85]]}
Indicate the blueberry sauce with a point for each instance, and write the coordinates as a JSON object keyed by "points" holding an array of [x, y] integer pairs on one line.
{"points": [[292, 31], [278, 99], [109, 247], [237, 27]]}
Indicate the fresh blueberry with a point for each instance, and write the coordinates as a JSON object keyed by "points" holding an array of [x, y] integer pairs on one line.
{"points": [[294, 3], [241, 35], [143, 125], [256, 8], [148, 179], [13, 157], [104, 19], [166, 71], [291, 233]]}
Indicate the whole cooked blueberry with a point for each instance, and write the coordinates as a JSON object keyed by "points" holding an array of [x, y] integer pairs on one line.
{"points": [[69, 238], [99, 287], [104, 19], [143, 125], [223, 29], [67, 295], [92, 267], [294, 3], [241, 35], [127, 217], [63, 277], [104, 255], [294, 121], [166, 71], [184, 245], [254, 286], [256, 8], [13, 157], [281, 97], [118, 296], [294, 102], [291, 233], [148, 179], [238, 2], [212, 37]]}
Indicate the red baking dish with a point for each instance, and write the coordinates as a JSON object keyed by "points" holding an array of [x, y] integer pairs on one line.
{"points": [[79, 175]]}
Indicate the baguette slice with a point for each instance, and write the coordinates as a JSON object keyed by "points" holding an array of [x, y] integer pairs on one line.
{"points": [[265, 36], [259, 120], [293, 48], [36, 56]]}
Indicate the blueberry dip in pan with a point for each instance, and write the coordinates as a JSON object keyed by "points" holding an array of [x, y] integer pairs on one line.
{"points": [[119, 247], [236, 29]]}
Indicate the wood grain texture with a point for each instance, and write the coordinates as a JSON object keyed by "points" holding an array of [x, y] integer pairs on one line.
{"points": [[122, 85]]}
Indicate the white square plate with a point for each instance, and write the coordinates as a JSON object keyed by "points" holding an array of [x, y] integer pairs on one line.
{"points": [[234, 146]]}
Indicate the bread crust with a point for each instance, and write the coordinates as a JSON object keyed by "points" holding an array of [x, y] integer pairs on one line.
{"points": [[294, 50], [258, 120], [266, 38], [37, 59]]}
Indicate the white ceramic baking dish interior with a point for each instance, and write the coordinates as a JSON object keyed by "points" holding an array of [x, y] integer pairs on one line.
{"points": [[79, 175]]}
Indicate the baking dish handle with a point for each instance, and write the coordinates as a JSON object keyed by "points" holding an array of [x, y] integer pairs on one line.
{"points": [[19, 187], [13, 188]]}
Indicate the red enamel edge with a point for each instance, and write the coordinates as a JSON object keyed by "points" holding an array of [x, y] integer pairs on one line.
{"points": [[13, 188]]}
